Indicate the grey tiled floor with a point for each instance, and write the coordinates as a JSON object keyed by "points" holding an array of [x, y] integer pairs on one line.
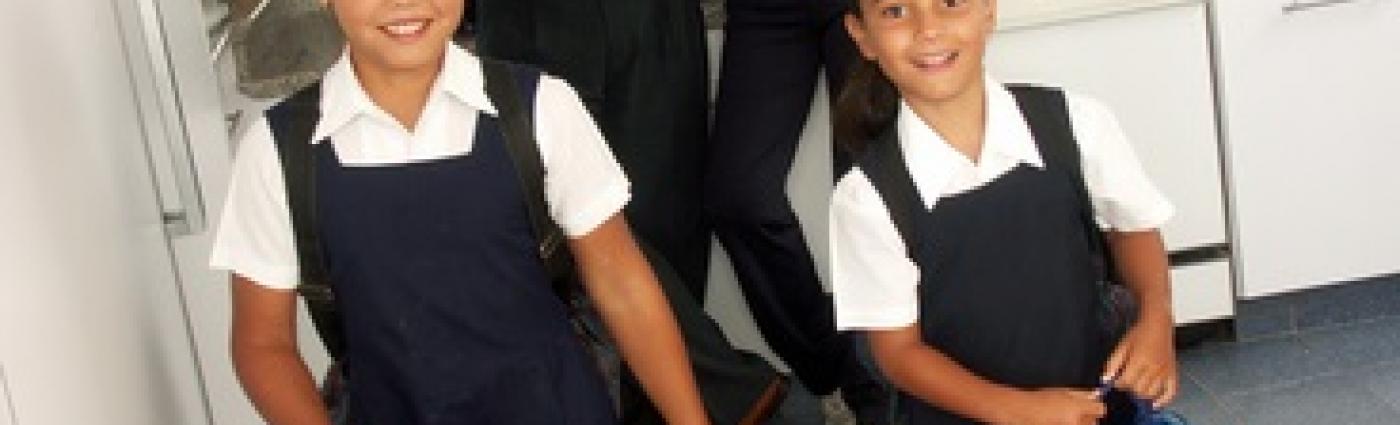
{"points": [[1348, 374], [1323, 357]]}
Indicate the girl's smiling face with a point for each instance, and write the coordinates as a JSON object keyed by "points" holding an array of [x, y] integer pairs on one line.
{"points": [[930, 49], [398, 35]]}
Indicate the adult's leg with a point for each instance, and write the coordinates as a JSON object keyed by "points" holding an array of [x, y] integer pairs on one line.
{"points": [[770, 59], [655, 115]]}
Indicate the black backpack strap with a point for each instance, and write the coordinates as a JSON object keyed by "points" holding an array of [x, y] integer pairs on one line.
{"points": [[883, 164], [506, 83], [512, 89], [1047, 114], [292, 122]]}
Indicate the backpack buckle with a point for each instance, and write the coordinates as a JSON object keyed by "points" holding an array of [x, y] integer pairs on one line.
{"points": [[549, 244], [316, 292]]}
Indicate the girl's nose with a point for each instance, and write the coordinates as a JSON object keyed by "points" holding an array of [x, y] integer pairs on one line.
{"points": [[929, 25]]}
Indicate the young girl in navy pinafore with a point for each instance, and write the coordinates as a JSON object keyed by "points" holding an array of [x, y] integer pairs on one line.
{"points": [[1009, 284], [448, 313]]}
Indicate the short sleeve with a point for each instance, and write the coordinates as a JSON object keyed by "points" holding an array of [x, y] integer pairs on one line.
{"points": [[584, 184], [1124, 198], [254, 234], [874, 282]]}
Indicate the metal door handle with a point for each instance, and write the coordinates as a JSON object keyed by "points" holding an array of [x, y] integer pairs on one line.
{"points": [[1303, 6]]}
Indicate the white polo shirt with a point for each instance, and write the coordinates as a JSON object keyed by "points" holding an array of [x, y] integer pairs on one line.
{"points": [[874, 281], [584, 185]]}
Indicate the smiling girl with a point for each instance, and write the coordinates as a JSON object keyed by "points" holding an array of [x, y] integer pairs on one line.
{"points": [[447, 311], [989, 314]]}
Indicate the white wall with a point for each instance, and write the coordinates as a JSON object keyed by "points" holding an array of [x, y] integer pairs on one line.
{"points": [[91, 325]]}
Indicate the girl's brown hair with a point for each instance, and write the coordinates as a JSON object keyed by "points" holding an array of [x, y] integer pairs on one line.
{"points": [[867, 103]]}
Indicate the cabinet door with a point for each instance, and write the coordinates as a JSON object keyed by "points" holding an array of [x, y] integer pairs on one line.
{"points": [[1312, 136]]}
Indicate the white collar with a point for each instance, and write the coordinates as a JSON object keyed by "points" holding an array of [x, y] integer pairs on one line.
{"points": [[931, 160], [343, 99]]}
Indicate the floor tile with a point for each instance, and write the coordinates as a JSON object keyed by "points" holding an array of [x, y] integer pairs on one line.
{"points": [[1265, 317], [1198, 406], [1233, 367], [1348, 302], [799, 408], [1384, 382], [1329, 400], [1357, 344]]}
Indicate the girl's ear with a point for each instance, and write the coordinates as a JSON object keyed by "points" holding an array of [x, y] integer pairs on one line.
{"points": [[856, 29]]}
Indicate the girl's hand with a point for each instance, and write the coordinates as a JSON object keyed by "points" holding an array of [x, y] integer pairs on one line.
{"points": [[1144, 363], [1054, 406]]}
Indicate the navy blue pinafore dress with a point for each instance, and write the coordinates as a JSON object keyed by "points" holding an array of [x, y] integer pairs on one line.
{"points": [[1008, 286], [448, 314]]}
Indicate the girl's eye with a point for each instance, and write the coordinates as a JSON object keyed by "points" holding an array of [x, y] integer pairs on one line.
{"points": [[953, 4], [893, 11]]}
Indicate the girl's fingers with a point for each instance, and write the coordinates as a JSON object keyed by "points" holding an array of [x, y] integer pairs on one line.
{"points": [[1150, 387], [1168, 392], [1095, 409], [1159, 386], [1146, 380], [1131, 377], [1114, 367]]}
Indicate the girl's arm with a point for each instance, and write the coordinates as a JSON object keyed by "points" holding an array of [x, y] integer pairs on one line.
{"points": [[266, 358], [1145, 361], [622, 286], [935, 378]]}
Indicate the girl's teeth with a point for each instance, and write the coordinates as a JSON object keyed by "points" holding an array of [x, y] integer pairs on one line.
{"points": [[405, 28], [936, 59]]}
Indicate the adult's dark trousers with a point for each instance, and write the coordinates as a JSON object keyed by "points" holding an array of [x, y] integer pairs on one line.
{"points": [[640, 66], [773, 50]]}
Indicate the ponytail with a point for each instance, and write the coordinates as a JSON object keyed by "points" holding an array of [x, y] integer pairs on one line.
{"points": [[865, 108]]}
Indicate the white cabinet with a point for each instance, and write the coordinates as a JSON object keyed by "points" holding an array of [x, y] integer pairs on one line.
{"points": [[1150, 61], [1313, 137], [1201, 292]]}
